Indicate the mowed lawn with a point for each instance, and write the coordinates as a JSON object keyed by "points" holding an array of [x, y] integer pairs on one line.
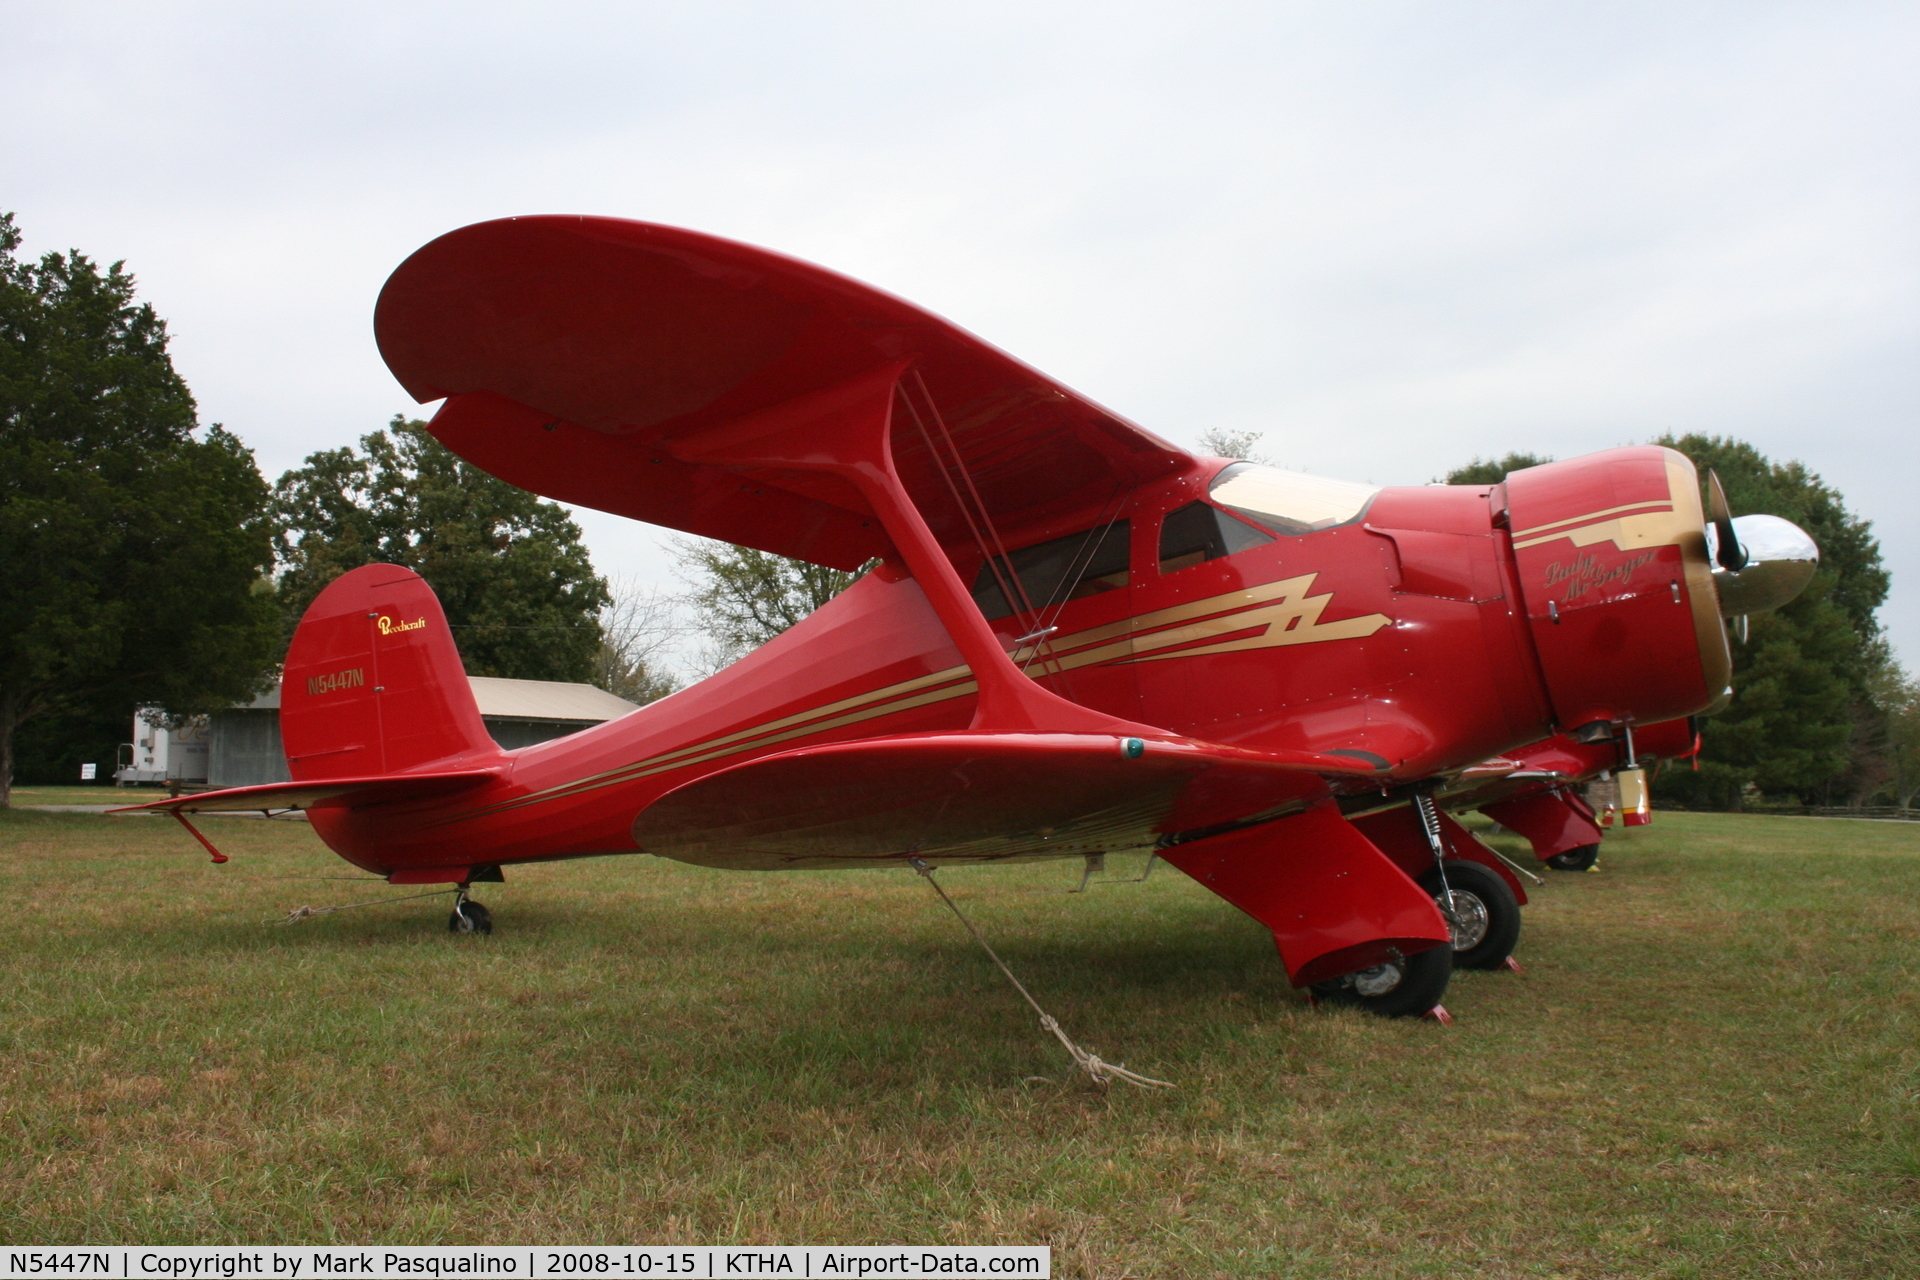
{"points": [[1711, 1066]]}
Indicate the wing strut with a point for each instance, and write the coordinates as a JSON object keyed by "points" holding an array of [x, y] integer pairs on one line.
{"points": [[844, 431]]}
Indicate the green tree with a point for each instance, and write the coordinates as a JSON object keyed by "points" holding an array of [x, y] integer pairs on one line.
{"points": [[132, 551], [1793, 714], [510, 569], [49, 749], [1802, 718], [1897, 696], [741, 598], [1493, 471]]}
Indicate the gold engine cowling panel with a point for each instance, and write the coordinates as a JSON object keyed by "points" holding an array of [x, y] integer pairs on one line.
{"points": [[1611, 554]]}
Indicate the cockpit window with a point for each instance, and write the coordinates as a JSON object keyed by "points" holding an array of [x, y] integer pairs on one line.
{"points": [[1288, 501], [1080, 564], [1199, 532]]}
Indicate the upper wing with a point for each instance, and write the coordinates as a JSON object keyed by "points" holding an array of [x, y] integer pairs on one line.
{"points": [[974, 797], [573, 351]]}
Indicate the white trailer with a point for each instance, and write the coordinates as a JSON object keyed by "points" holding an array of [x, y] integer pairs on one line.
{"points": [[163, 755]]}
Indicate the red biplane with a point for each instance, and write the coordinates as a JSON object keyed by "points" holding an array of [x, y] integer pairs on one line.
{"points": [[1076, 638]]}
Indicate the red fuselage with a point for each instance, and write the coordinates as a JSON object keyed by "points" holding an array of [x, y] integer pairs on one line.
{"points": [[1404, 638]]}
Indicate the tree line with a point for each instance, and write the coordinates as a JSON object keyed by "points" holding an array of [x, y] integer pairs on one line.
{"points": [[145, 561]]}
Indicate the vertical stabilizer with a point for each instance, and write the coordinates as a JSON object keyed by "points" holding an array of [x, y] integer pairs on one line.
{"points": [[374, 684]]}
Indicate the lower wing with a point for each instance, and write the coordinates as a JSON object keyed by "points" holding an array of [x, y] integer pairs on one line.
{"points": [[975, 797]]}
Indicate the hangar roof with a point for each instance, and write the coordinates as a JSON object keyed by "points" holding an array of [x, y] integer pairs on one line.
{"points": [[545, 700]]}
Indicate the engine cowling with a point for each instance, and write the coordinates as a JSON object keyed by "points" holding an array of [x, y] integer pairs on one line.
{"points": [[1612, 557]]}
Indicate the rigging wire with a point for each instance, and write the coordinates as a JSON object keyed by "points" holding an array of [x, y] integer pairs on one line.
{"points": [[1007, 590], [1000, 565], [1090, 545]]}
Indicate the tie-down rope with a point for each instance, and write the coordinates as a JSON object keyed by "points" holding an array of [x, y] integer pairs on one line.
{"points": [[1100, 1072], [298, 914]]}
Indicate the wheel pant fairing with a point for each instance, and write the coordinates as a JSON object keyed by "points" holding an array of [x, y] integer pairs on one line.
{"points": [[1335, 903]]}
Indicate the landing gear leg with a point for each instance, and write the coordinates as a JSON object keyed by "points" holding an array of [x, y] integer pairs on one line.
{"points": [[469, 916]]}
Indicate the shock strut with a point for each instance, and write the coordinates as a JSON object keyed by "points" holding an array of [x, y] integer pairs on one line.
{"points": [[1430, 822]]}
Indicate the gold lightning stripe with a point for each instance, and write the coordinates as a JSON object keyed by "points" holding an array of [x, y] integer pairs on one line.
{"points": [[1276, 613], [1284, 612], [1637, 524]]}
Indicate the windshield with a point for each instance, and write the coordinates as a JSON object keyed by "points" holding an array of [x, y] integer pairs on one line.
{"points": [[1288, 501]]}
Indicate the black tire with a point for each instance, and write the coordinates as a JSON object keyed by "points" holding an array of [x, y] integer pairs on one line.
{"points": [[470, 917], [1486, 915], [1575, 859], [1407, 988]]}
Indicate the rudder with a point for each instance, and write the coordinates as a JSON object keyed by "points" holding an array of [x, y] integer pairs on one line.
{"points": [[374, 683]]}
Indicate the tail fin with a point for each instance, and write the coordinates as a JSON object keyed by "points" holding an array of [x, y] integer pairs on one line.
{"points": [[374, 684]]}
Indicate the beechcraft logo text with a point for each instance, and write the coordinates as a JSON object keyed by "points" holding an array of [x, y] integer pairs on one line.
{"points": [[389, 627]]}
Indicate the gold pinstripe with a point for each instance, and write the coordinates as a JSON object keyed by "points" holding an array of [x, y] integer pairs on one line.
{"points": [[1660, 504], [1639, 524], [865, 706], [1283, 611]]}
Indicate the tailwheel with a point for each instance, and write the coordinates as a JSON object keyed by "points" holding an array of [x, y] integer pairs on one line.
{"points": [[1575, 859], [1404, 987], [1483, 914], [469, 917]]}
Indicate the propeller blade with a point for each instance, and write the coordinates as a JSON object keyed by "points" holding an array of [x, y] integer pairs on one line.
{"points": [[1732, 556]]}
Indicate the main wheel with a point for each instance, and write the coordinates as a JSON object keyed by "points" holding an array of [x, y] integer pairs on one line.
{"points": [[1484, 916], [470, 917], [1575, 859], [1403, 988]]}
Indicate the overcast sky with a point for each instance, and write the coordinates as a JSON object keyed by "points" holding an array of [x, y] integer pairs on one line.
{"points": [[1391, 237]]}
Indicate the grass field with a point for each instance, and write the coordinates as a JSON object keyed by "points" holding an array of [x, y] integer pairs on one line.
{"points": [[1711, 1066], [86, 795]]}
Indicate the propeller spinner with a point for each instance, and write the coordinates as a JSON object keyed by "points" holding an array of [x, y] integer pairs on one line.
{"points": [[1763, 561]]}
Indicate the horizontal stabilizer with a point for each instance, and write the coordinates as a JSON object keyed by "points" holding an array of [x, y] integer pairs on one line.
{"points": [[968, 797], [340, 793]]}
